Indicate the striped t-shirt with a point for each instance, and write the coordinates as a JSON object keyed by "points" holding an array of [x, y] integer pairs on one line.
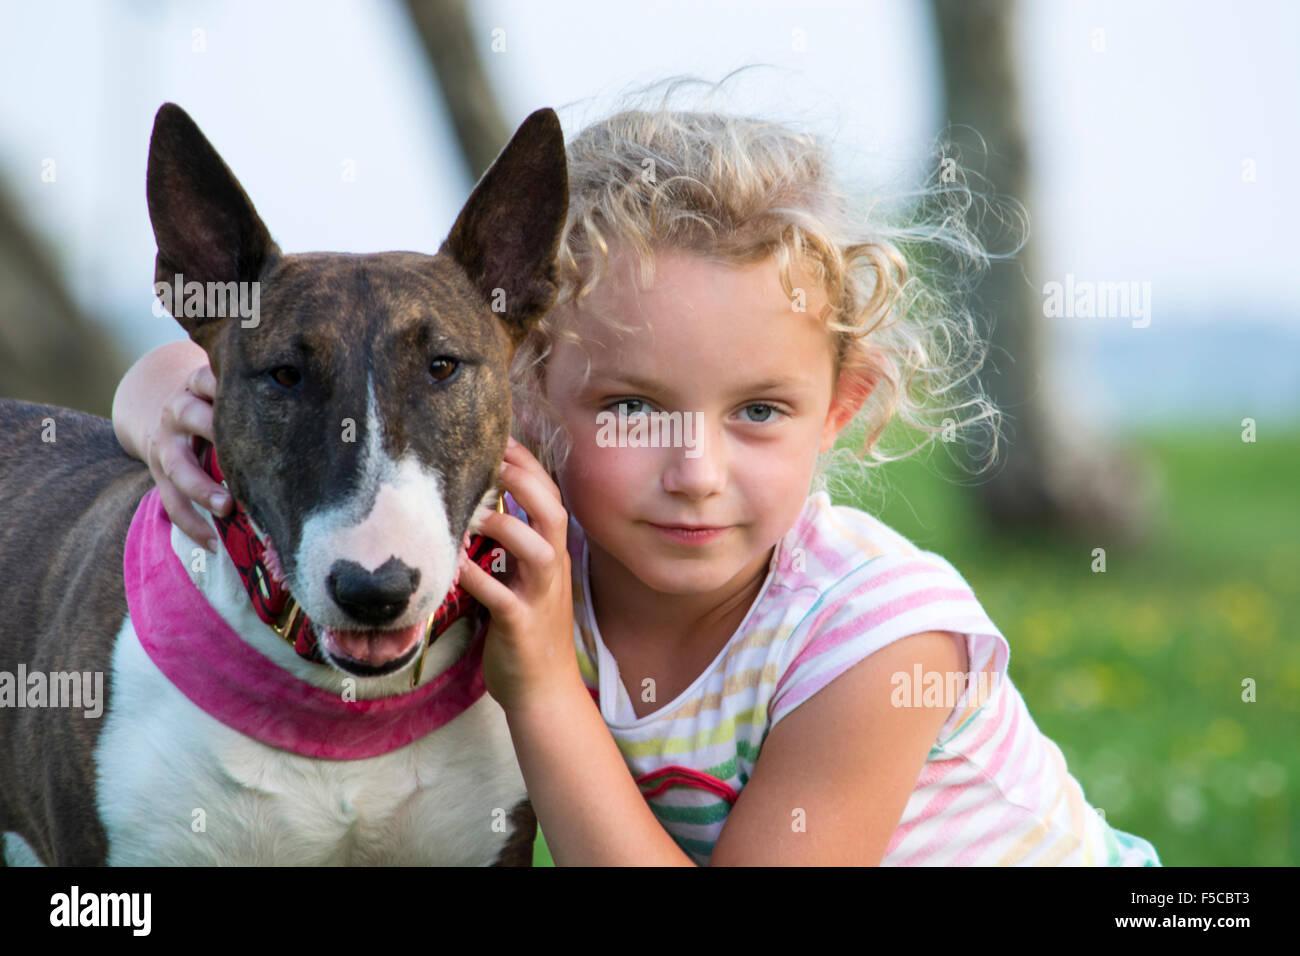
{"points": [[840, 585]]}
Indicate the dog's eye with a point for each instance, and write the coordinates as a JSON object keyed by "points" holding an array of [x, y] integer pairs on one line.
{"points": [[441, 369], [286, 375]]}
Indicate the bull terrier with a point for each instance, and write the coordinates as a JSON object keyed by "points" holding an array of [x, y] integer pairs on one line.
{"points": [[312, 694]]}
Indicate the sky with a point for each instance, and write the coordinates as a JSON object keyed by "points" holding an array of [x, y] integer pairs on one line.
{"points": [[1162, 135]]}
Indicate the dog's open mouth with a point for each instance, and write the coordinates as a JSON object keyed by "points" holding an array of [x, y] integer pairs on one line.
{"points": [[373, 652]]}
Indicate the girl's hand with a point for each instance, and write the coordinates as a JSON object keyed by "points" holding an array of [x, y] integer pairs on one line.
{"points": [[169, 452], [529, 651]]}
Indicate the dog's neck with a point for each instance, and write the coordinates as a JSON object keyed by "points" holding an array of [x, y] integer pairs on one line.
{"points": [[215, 577]]}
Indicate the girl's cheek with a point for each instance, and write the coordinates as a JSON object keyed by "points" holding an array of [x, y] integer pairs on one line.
{"points": [[613, 464], [586, 457]]}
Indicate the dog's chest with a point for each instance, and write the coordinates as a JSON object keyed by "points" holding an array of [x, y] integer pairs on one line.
{"points": [[178, 787]]}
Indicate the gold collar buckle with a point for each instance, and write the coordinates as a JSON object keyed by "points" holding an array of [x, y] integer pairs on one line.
{"points": [[424, 649], [289, 622]]}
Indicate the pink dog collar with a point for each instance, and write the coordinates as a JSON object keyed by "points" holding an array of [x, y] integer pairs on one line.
{"points": [[241, 687]]}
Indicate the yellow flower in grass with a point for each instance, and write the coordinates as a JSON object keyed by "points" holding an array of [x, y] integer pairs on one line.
{"points": [[1248, 612], [1107, 685], [1224, 737], [1143, 629], [1129, 690], [1037, 634], [1291, 681]]}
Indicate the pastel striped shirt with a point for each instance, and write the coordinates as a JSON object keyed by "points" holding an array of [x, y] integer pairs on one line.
{"points": [[841, 585]]}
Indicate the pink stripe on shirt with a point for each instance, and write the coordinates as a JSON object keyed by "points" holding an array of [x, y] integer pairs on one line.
{"points": [[879, 581], [847, 631]]}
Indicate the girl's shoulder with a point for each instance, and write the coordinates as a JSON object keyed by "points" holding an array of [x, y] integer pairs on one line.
{"points": [[867, 586], [832, 544]]}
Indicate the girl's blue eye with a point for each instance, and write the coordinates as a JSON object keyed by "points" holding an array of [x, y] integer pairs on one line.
{"points": [[629, 401], [771, 412]]}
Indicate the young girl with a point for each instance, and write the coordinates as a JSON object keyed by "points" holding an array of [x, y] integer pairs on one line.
{"points": [[760, 676]]}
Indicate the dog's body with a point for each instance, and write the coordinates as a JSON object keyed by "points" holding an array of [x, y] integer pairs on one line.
{"points": [[367, 531]]}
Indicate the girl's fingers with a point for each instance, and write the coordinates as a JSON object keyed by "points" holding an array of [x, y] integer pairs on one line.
{"points": [[526, 544], [187, 413], [195, 418], [183, 471], [491, 593], [529, 484], [202, 382], [184, 516]]}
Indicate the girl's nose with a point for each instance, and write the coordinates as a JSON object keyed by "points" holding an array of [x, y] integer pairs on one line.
{"points": [[699, 471]]}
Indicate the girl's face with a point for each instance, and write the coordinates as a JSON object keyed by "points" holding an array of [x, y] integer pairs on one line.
{"points": [[723, 346]]}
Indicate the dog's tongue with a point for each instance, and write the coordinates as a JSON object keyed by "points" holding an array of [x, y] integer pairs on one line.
{"points": [[372, 647]]}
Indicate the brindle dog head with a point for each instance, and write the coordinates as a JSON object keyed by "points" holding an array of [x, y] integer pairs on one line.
{"points": [[362, 412]]}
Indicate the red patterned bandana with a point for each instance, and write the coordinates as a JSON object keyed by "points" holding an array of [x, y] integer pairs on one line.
{"points": [[262, 577]]}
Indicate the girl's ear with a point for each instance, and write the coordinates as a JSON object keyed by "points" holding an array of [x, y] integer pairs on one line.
{"points": [[854, 388]]}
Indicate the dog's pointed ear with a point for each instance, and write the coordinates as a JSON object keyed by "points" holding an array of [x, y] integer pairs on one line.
{"points": [[205, 224], [507, 235]]}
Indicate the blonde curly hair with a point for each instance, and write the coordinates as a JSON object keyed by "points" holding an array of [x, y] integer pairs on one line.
{"points": [[740, 189]]}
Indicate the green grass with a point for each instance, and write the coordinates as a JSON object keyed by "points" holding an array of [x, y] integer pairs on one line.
{"points": [[1137, 673]]}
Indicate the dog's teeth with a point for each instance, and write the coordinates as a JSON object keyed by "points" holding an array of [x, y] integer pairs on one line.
{"points": [[271, 559]]}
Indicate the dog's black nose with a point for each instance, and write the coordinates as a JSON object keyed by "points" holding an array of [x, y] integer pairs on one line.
{"points": [[373, 597]]}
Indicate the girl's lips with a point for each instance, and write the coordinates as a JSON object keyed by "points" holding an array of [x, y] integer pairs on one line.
{"points": [[686, 535]]}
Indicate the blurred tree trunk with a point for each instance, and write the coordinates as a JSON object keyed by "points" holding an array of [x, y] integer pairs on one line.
{"points": [[49, 351], [444, 28], [1051, 474]]}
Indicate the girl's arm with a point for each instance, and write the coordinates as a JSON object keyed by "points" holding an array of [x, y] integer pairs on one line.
{"points": [[144, 388], [834, 777], [588, 806], [164, 400], [828, 789]]}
